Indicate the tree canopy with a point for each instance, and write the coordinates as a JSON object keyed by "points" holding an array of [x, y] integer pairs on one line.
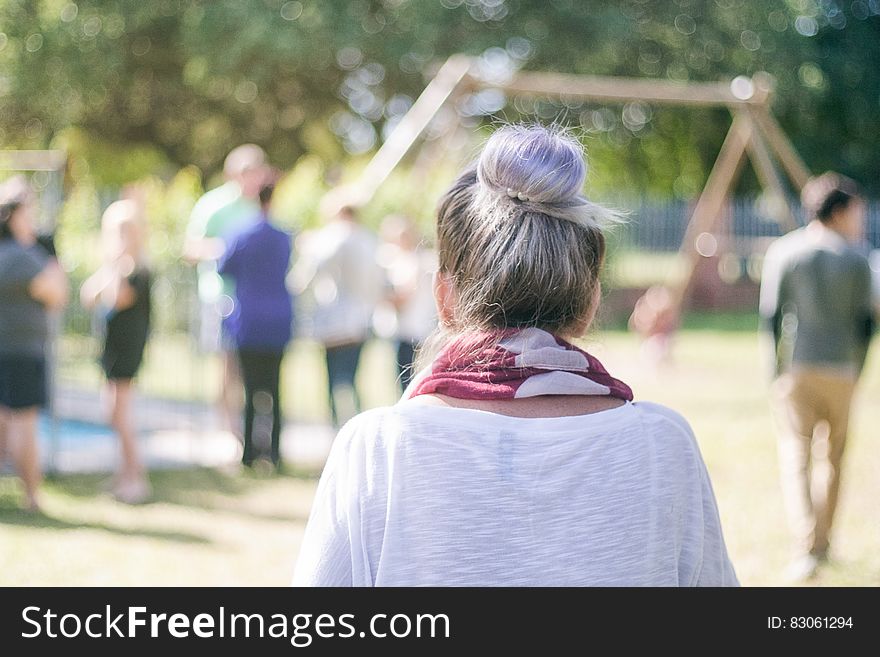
{"points": [[179, 83]]}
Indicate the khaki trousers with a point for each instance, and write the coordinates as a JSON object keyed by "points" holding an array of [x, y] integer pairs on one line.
{"points": [[812, 410]]}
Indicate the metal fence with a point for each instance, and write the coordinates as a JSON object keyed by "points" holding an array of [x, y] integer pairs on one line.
{"points": [[644, 245], [744, 224]]}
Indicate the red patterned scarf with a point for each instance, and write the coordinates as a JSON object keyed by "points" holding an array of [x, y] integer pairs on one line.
{"points": [[513, 364]]}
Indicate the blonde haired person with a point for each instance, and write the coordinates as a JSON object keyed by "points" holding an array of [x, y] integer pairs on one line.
{"points": [[120, 292], [514, 458], [337, 264]]}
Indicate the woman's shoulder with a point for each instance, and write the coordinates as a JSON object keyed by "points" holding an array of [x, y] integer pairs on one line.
{"points": [[364, 425], [384, 426], [363, 437], [669, 431], [660, 414]]}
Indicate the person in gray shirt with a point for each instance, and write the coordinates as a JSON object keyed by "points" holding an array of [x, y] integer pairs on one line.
{"points": [[31, 283], [815, 302]]}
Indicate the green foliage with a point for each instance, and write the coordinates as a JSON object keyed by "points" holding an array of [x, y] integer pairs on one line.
{"points": [[112, 164], [167, 209], [298, 194], [149, 83], [78, 225]]}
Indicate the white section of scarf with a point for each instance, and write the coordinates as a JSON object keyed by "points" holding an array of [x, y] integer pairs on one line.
{"points": [[536, 348]]}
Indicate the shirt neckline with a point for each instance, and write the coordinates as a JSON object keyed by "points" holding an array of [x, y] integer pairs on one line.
{"points": [[472, 416]]}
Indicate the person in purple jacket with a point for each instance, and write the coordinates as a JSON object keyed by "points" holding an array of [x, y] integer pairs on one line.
{"points": [[257, 261]]}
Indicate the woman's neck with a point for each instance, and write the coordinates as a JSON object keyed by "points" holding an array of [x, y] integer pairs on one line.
{"points": [[527, 407]]}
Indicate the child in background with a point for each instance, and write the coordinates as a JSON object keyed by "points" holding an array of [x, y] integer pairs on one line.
{"points": [[120, 291]]}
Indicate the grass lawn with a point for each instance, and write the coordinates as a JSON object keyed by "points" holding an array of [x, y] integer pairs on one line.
{"points": [[209, 527]]}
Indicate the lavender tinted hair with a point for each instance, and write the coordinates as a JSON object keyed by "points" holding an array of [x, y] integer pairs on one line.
{"points": [[521, 244], [535, 169]]}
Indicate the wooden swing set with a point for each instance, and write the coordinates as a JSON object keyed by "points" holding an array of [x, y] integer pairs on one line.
{"points": [[753, 132]]}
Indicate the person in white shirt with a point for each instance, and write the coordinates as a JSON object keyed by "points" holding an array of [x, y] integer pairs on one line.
{"points": [[514, 458], [337, 266]]}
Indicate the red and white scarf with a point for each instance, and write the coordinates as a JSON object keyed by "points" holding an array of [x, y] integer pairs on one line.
{"points": [[512, 364]]}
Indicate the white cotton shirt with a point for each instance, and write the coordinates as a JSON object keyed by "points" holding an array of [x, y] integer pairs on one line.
{"points": [[422, 495], [346, 282]]}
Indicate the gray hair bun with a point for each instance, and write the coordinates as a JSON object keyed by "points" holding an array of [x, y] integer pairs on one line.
{"points": [[536, 169]]}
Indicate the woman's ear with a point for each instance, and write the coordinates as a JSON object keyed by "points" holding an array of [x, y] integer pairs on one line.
{"points": [[444, 297]]}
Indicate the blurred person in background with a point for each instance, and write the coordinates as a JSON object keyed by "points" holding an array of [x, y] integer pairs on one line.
{"points": [[656, 319], [32, 284], [217, 217], [409, 269], [119, 292], [337, 265], [816, 305], [257, 261]]}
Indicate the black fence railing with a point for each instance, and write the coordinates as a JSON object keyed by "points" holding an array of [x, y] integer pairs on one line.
{"points": [[660, 226]]}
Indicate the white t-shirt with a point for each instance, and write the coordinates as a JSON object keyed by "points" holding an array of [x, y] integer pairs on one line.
{"points": [[346, 282], [415, 494]]}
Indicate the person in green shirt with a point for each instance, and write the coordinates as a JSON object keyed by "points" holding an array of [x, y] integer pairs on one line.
{"points": [[217, 218]]}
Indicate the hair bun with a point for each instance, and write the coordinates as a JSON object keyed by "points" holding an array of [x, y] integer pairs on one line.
{"points": [[533, 163], [538, 170]]}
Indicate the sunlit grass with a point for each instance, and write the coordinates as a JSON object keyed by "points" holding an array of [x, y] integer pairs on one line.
{"points": [[208, 527]]}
